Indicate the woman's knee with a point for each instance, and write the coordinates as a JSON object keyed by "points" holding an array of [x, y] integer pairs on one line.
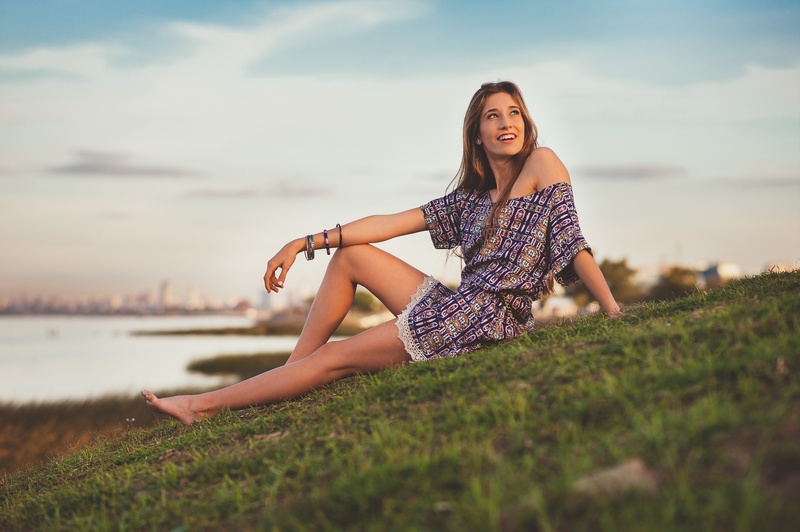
{"points": [[353, 253], [389, 279], [351, 258]]}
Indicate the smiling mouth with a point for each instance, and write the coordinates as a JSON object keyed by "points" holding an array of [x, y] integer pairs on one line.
{"points": [[508, 136]]}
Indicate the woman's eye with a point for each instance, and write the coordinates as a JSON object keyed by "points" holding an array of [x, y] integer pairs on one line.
{"points": [[491, 115], [515, 112]]}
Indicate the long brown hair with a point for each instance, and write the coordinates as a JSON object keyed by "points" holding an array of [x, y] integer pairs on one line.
{"points": [[475, 174]]}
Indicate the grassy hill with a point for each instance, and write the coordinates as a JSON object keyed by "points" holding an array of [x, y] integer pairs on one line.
{"points": [[683, 415]]}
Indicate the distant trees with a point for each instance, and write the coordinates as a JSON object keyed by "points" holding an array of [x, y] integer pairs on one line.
{"points": [[678, 281], [366, 302], [620, 278]]}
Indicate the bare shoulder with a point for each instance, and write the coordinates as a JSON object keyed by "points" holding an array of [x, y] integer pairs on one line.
{"points": [[545, 168]]}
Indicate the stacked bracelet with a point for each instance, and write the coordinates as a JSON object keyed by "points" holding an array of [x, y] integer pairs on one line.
{"points": [[309, 251]]}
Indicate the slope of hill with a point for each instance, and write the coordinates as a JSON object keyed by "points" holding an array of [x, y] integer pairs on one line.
{"points": [[683, 415]]}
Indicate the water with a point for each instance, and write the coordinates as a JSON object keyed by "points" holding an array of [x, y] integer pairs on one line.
{"points": [[52, 358]]}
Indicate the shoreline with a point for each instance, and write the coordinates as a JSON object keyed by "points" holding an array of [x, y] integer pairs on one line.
{"points": [[33, 432], [284, 326]]}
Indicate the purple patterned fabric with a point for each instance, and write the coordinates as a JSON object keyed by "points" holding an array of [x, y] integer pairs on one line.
{"points": [[503, 273]]}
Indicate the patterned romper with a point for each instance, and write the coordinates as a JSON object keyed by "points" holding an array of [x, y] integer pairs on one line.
{"points": [[502, 276]]}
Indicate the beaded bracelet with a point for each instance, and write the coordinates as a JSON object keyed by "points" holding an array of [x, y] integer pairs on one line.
{"points": [[309, 251], [341, 244], [327, 244]]}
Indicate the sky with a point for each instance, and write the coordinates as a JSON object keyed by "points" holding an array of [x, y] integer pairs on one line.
{"points": [[189, 140]]}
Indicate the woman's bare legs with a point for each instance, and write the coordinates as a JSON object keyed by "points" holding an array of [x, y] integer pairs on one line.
{"points": [[316, 362], [389, 279], [367, 352]]}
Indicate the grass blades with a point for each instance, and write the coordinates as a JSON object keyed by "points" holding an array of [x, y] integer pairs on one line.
{"points": [[700, 394]]}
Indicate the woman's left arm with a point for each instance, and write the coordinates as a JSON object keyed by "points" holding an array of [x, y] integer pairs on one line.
{"points": [[588, 271]]}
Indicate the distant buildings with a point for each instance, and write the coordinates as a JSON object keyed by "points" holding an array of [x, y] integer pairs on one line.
{"points": [[717, 274], [166, 298], [165, 301]]}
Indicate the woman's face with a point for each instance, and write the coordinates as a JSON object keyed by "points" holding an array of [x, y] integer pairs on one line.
{"points": [[502, 129]]}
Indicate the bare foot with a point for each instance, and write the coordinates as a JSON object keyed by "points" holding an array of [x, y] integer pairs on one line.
{"points": [[179, 407]]}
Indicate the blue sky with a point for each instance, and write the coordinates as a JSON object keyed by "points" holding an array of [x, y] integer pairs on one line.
{"points": [[189, 140]]}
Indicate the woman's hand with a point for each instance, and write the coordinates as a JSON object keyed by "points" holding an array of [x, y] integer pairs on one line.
{"points": [[615, 311], [283, 260]]}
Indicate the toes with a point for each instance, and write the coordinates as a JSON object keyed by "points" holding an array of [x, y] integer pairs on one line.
{"points": [[149, 398]]}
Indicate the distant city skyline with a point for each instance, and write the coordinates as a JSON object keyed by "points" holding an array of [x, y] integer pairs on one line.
{"points": [[189, 140], [159, 300]]}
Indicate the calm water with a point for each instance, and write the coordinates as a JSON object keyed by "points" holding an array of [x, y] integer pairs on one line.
{"points": [[45, 358]]}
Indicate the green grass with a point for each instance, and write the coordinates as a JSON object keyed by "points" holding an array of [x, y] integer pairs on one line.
{"points": [[704, 390], [34, 433]]}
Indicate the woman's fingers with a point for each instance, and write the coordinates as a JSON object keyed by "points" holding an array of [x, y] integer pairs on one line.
{"points": [[283, 261], [270, 281], [275, 282], [279, 282]]}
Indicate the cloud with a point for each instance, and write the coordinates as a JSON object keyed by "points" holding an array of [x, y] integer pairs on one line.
{"points": [[114, 215], [278, 30], [80, 61], [758, 182], [776, 182], [283, 189], [294, 30], [189, 45], [96, 163], [632, 171], [32, 75]]}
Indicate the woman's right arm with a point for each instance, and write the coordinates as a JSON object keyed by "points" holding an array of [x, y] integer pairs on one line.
{"points": [[377, 228]]}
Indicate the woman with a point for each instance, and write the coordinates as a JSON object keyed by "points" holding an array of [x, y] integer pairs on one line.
{"points": [[511, 214]]}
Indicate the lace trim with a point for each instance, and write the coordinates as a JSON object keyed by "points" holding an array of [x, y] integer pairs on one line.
{"points": [[403, 329]]}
